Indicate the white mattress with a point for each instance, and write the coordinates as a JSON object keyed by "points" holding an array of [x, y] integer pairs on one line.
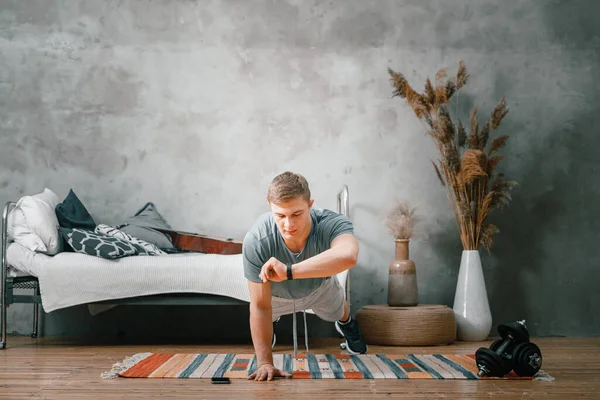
{"points": [[69, 279]]}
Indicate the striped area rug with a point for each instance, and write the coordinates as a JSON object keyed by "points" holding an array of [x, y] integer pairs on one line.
{"points": [[309, 366]]}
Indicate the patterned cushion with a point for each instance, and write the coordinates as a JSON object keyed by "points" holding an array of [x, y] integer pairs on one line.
{"points": [[144, 247], [97, 244]]}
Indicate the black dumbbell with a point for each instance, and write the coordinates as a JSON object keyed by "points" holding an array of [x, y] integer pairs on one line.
{"points": [[526, 359], [498, 359]]}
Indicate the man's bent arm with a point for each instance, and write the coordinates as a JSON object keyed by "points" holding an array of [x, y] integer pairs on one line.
{"points": [[261, 321], [342, 255]]}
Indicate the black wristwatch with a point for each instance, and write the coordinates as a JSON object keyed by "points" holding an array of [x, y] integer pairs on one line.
{"points": [[289, 271]]}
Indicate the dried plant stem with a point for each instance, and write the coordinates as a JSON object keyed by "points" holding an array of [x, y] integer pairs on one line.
{"points": [[472, 188], [401, 219]]}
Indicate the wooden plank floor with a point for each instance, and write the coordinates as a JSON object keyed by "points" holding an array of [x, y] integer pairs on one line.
{"points": [[49, 368]]}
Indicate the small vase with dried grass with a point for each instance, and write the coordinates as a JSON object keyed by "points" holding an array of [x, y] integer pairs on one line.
{"points": [[467, 169], [400, 221]]}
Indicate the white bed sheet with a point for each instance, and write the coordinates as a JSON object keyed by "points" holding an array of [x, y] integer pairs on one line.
{"points": [[69, 279]]}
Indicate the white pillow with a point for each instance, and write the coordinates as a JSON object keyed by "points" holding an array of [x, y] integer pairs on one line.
{"points": [[34, 220], [19, 231]]}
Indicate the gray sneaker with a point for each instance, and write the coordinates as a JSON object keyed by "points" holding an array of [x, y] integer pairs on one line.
{"points": [[355, 342]]}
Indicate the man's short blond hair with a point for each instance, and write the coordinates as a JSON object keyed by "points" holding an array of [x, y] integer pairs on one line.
{"points": [[288, 186]]}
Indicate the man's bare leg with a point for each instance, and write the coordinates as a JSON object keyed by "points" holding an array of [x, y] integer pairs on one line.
{"points": [[346, 313]]}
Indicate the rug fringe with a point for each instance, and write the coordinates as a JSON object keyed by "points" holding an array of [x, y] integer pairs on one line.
{"points": [[124, 365], [543, 376]]}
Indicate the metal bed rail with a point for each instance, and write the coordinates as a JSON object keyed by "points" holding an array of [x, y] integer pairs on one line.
{"points": [[9, 285], [343, 207], [343, 202], [3, 304]]}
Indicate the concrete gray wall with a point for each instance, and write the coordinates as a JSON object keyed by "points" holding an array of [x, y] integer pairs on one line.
{"points": [[196, 105]]}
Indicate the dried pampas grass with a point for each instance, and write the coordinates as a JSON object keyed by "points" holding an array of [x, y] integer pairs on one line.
{"points": [[467, 165], [400, 219]]}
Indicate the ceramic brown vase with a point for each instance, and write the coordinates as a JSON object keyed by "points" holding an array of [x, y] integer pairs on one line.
{"points": [[402, 283]]}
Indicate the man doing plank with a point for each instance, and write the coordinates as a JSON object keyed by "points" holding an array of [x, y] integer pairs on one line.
{"points": [[291, 257]]}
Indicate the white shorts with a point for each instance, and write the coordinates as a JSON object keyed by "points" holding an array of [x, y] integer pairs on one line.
{"points": [[327, 302]]}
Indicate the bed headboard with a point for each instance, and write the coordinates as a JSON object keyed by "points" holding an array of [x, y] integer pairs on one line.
{"points": [[204, 243]]}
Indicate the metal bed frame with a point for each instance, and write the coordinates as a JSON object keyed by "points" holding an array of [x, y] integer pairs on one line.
{"points": [[10, 284]]}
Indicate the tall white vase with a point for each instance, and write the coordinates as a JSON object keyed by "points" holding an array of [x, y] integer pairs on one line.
{"points": [[471, 305]]}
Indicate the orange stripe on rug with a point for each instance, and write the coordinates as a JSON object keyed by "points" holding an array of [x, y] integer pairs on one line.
{"points": [[349, 370], [183, 363], [353, 375], [146, 366], [164, 369], [301, 375], [465, 362], [240, 366]]}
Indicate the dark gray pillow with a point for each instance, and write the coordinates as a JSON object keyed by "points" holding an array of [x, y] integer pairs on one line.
{"points": [[71, 213], [142, 225]]}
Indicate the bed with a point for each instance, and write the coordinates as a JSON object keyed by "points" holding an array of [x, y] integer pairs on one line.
{"points": [[68, 279]]}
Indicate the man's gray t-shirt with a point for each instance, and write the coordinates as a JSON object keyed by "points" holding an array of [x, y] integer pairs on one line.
{"points": [[264, 241]]}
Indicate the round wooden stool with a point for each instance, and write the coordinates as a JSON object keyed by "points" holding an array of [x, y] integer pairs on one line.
{"points": [[421, 325]]}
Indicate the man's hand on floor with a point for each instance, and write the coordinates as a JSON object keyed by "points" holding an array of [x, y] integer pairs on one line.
{"points": [[268, 372]]}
